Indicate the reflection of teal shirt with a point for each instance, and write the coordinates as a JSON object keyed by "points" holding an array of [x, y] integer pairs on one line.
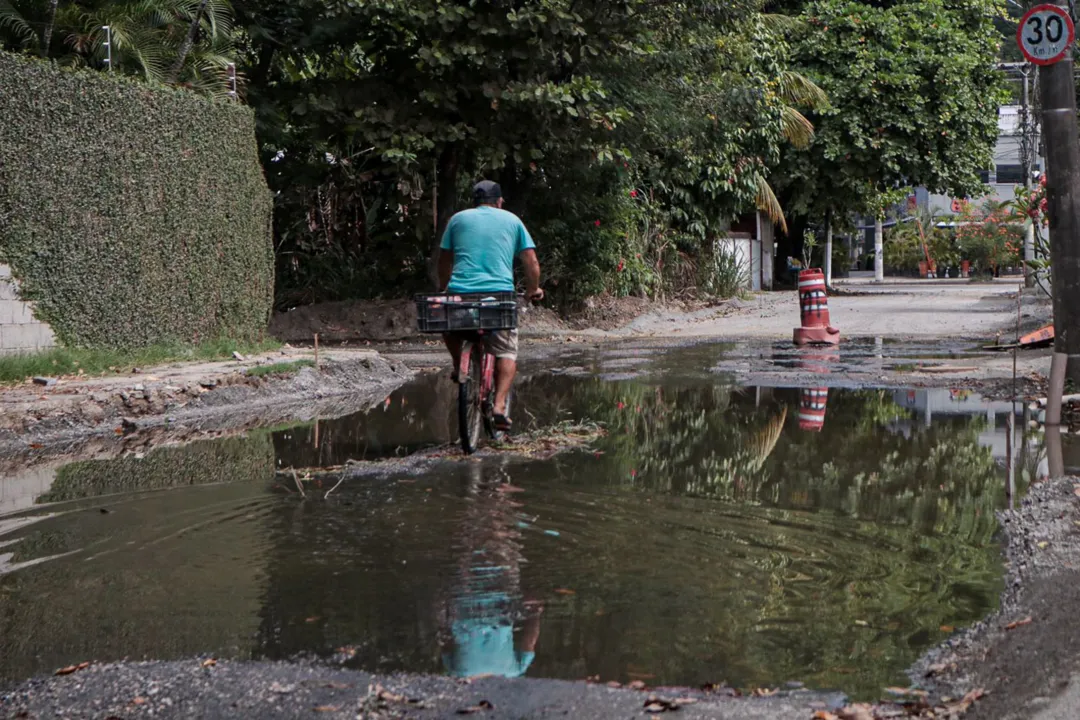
{"points": [[485, 240], [484, 639]]}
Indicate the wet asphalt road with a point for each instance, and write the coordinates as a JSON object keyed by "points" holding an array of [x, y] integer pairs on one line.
{"points": [[279, 690]]}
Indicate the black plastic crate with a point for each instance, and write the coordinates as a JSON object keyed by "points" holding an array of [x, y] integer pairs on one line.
{"points": [[461, 312]]}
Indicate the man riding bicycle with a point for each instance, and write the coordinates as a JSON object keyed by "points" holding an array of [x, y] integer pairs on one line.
{"points": [[477, 256]]}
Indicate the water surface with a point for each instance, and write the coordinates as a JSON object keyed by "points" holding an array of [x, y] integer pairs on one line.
{"points": [[710, 536]]}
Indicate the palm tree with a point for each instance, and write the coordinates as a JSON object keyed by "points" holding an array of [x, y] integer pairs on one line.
{"points": [[796, 91], [180, 42]]}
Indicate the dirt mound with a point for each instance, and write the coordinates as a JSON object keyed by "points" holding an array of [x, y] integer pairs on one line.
{"points": [[379, 321], [607, 312], [349, 320]]}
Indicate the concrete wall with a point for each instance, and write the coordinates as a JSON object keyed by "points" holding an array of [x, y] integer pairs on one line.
{"points": [[748, 255], [19, 331], [21, 491]]}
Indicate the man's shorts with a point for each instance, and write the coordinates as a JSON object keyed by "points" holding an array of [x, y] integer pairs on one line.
{"points": [[503, 343]]}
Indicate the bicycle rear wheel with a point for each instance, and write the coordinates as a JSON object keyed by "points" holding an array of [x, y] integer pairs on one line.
{"points": [[470, 414]]}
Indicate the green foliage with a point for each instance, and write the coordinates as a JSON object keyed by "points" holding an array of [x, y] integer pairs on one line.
{"points": [[913, 101], [991, 236], [184, 42], [375, 119], [97, 361], [132, 216]]}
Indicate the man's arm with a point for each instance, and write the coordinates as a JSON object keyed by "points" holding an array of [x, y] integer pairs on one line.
{"points": [[531, 266], [446, 267]]}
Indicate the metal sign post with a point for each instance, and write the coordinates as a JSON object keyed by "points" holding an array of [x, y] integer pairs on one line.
{"points": [[1046, 35], [108, 46]]}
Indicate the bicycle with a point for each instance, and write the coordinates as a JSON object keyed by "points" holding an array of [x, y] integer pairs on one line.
{"points": [[471, 317]]}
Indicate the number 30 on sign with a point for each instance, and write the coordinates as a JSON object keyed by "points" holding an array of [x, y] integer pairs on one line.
{"points": [[1046, 34]]}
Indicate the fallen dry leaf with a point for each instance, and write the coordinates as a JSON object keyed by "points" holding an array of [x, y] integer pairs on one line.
{"points": [[1017, 623], [824, 715], [209, 663], [641, 675], [1043, 545], [906, 691], [765, 692], [860, 711], [139, 701], [656, 705], [565, 591], [337, 686], [973, 695], [636, 685], [936, 668], [313, 618], [72, 668], [946, 628], [481, 706], [327, 708], [614, 684]]}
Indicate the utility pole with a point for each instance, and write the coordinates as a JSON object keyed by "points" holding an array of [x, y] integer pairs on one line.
{"points": [[1027, 148], [1062, 136], [828, 248], [879, 248]]}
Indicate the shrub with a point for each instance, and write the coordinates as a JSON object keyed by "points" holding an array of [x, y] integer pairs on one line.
{"points": [[131, 214]]}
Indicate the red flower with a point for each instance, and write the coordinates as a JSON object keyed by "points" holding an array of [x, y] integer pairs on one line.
{"points": [[633, 193], [597, 223], [1042, 180], [1043, 204], [621, 266]]}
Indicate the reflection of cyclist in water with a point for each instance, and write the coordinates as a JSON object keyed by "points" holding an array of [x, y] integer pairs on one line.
{"points": [[486, 603]]}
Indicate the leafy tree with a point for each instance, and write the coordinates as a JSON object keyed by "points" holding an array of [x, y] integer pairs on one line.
{"points": [[913, 99], [568, 105]]}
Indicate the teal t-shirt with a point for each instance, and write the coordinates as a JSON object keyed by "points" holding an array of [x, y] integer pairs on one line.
{"points": [[485, 240]]}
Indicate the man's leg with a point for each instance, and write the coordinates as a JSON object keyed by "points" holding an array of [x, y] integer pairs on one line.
{"points": [[453, 344], [505, 370], [504, 344]]}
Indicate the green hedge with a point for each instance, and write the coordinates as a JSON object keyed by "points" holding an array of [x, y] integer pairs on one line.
{"points": [[132, 214]]}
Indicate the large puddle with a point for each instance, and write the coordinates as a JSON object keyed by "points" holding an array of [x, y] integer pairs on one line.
{"points": [[717, 534]]}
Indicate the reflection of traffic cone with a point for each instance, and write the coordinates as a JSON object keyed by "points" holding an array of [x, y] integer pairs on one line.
{"points": [[814, 311], [812, 401], [812, 408]]}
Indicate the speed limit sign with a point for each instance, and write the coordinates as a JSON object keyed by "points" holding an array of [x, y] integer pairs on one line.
{"points": [[1046, 34]]}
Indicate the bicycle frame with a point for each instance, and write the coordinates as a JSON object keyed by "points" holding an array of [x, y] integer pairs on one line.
{"points": [[468, 347]]}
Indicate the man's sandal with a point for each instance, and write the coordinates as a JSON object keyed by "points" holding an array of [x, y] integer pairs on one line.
{"points": [[502, 423]]}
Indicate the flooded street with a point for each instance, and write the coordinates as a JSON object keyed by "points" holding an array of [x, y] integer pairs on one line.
{"points": [[747, 535]]}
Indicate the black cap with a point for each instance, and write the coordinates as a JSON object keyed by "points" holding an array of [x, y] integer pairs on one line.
{"points": [[485, 192]]}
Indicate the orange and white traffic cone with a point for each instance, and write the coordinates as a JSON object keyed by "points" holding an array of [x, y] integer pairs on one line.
{"points": [[814, 311]]}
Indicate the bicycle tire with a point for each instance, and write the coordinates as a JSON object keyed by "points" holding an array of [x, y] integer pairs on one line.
{"points": [[470, 416]]}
